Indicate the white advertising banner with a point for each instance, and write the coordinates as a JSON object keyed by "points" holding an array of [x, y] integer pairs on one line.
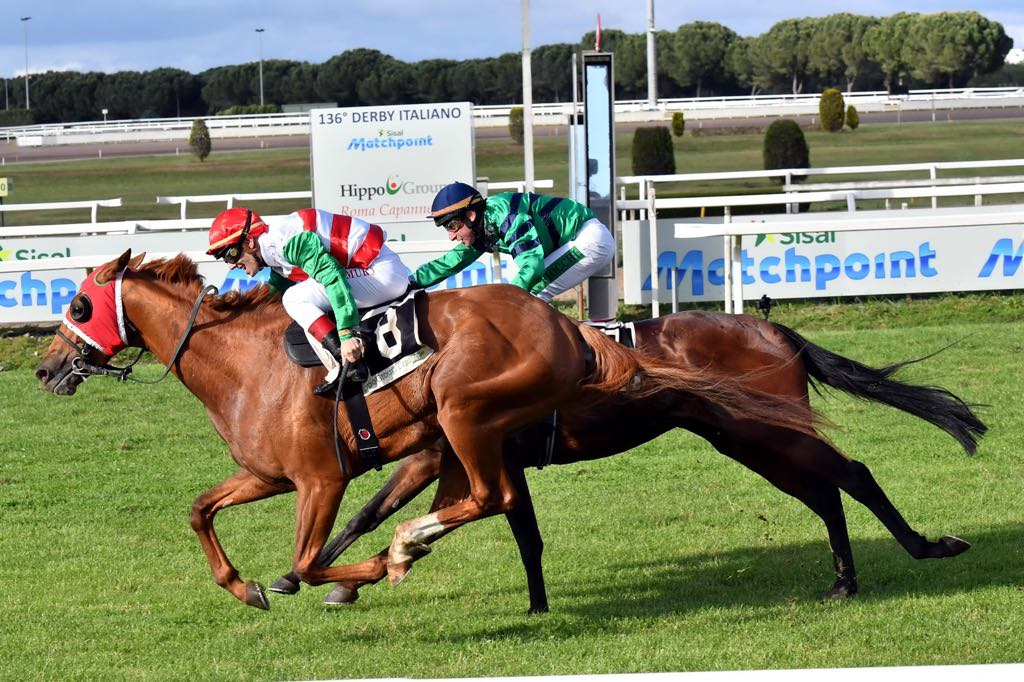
{"points": [[384, 164], [826, 264], [30, 295]]}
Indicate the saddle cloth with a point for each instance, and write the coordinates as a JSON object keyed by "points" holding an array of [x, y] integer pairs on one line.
{"points": [[619, 331], [392, 349]]}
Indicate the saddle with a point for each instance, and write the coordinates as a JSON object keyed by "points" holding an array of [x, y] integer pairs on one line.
{"points": [[391, 349]]}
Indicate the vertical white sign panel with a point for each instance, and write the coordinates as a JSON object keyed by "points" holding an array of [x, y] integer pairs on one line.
{"points": [[385, 164]]}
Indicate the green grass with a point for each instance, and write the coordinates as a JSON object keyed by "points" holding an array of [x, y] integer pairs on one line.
{"points": [[669, 558]]}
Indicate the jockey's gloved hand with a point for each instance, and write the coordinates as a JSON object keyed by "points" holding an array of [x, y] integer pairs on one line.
{"points": [[351, 348], [413, 285]]}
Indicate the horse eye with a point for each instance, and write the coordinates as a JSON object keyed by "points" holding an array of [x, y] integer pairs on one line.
{"points": [[81, 309]]}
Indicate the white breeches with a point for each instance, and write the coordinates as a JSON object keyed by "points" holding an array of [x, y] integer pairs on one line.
{"points": [[306, 302], [597, 246]]}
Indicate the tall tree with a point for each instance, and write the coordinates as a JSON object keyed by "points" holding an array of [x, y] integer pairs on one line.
{"points": [[836, 49], [785, 48], [887, 45], [699, 54], [955, 46]]}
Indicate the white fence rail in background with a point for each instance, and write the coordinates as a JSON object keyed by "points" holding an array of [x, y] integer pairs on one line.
{"points": [[92, 204], [695, 109]]}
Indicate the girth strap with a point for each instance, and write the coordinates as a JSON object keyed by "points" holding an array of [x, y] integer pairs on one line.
{"points": [[362, 426]]}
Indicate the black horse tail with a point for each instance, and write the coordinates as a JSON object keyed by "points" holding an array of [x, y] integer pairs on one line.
{"points": [[932, 403]]}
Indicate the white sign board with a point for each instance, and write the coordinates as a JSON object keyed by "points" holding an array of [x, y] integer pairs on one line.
{"points": [[385, 164], [826, 264]]}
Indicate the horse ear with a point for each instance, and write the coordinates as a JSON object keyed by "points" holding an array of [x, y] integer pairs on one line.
{"points": [[135, 262], [113, 268]]}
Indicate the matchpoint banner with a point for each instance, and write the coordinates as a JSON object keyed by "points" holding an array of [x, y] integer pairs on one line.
{"points": [[827, 263], [385, 164]]}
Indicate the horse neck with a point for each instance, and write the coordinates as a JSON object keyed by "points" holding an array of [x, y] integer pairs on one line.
{"points": [[160, 312]]}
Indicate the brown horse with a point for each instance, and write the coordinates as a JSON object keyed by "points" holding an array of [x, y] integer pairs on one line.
{"points": [[502, 360], [766, 356]]}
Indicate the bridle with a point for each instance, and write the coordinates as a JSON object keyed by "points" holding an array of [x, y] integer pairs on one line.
{"points": [[81, 366]]}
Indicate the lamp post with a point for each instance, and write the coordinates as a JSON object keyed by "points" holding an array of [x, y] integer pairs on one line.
{"points": [[259, 36], [24, 23]]}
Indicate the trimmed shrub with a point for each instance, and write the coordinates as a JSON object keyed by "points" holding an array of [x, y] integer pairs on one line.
{"points": [[831, 108], [678, 124], [652, 151], [785, 147], [515, 124], [199, 139], [852, 117]]}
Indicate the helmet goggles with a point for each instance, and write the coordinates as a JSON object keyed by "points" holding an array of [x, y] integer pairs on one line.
{"points": [[232, 252]]}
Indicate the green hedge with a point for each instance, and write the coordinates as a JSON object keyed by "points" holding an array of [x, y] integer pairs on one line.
{"points": [[652, 151]]}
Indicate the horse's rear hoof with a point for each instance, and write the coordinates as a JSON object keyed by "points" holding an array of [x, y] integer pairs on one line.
{"points": [[397, 572], [284, 585], [954, 545], [543, 608], [256, 596], [341, 596]]}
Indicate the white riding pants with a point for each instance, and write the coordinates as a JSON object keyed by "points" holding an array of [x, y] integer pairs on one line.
{"points": [[595, 243], [306, 301]]}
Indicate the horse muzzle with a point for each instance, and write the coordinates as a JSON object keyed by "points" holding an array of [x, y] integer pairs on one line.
{"points": [[59, 377]]}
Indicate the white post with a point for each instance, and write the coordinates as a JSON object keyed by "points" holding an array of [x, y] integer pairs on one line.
{"points": [[652, 65], [652, 225], [527, 99], [727, 249]]}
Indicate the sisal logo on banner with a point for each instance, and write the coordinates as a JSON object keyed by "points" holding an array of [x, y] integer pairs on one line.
{"points": [[385, 164]]}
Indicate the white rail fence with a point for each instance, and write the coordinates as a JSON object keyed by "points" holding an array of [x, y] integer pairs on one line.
{"points": [[696, 109]]}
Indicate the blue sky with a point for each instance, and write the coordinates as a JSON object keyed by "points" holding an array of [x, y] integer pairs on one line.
{"points": [[113, 35]]}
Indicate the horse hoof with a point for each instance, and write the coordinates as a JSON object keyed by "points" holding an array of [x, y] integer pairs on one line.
{"points": [[841, 589], [397, 572], [954, 545], [341, 596], [284, 585], [256, 596], [537, 609]]}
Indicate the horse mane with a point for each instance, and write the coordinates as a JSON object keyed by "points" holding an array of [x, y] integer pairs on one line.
{"points": [[182, 271]]}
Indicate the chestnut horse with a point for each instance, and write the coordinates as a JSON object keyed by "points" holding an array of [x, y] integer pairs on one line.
{"points": [[768, 357], [502, 360]]}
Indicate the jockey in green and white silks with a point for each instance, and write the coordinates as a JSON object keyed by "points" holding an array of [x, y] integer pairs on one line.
{"points": [[557, 243], [323, 263]]}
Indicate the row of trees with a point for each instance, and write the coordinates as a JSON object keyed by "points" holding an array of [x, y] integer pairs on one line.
{"points": [[699, 58]]}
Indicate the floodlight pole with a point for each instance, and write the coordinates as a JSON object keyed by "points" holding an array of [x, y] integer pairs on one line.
{"points": [[24, 24], [527, 99], [259, 35], [652, 65]]}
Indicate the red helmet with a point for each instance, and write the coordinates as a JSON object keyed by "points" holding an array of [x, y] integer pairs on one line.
{"points": [[231, 227]]}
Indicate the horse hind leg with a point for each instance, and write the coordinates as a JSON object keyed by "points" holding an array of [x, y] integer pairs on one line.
{"points": [[818, 495], [856, 480]]}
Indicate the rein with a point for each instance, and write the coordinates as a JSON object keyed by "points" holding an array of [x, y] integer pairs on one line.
{"points": [[82, 367]]}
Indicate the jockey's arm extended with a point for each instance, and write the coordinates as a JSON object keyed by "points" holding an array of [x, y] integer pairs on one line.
{"points": [[305, 251], [456, 260]]}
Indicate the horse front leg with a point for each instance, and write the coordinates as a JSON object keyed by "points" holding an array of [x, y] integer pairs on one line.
{"points": [[490, 492], [240, 488], [411, 477], [425, 467], [523, 522]]}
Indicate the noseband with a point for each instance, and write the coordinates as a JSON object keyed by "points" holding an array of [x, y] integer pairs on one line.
{"points": [[81, 366]]}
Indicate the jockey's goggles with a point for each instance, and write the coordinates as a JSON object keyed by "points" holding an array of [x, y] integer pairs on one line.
{"points": [[232, 252]]}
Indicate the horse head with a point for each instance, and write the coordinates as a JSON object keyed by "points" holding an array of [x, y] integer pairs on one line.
{"points": [[93, 330]]}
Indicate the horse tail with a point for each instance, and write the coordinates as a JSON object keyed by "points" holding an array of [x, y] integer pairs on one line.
{"points": [[614, 365], [617, 367], [934, 404]]}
